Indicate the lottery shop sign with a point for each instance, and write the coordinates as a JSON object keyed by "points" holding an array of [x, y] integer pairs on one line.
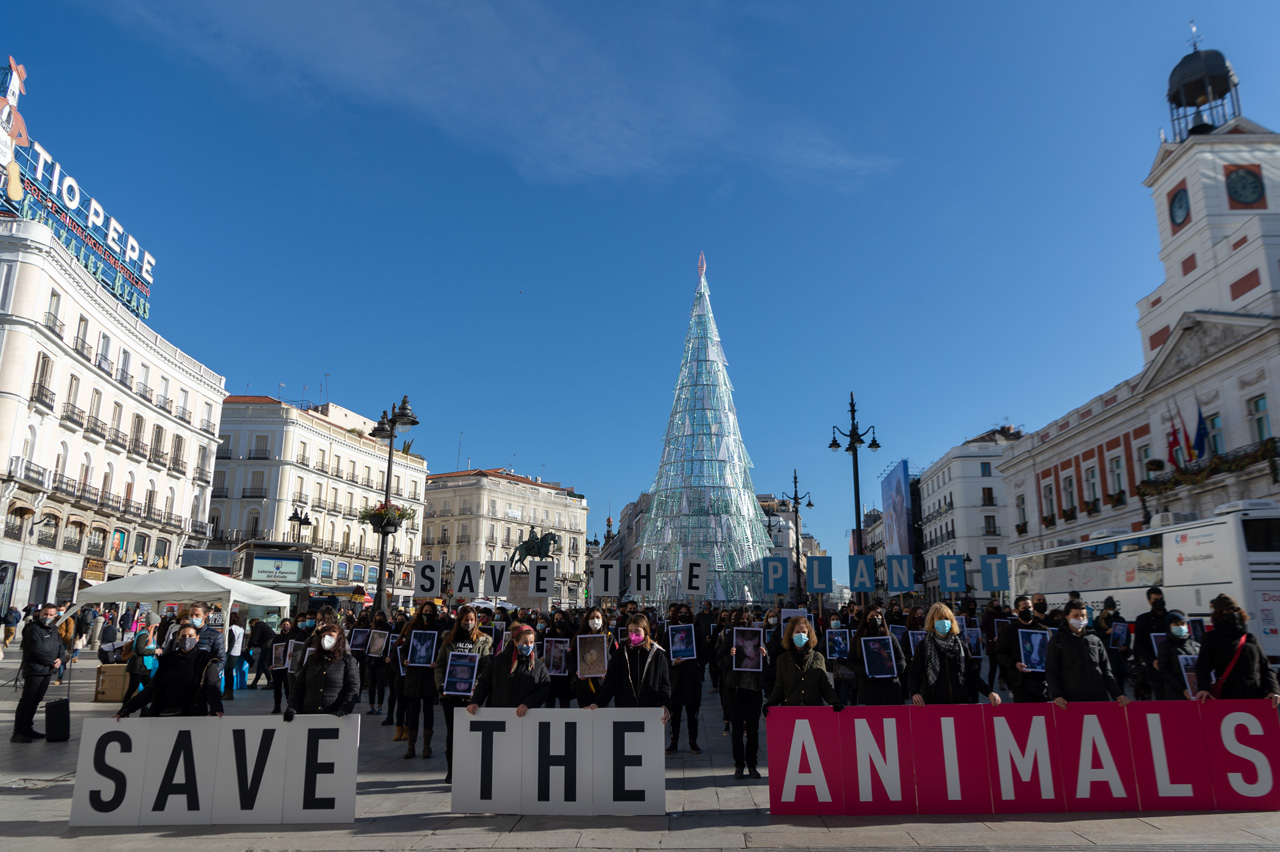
{"points": [[1025, 758]]}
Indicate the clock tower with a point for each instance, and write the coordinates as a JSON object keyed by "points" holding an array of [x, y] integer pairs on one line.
{"points": [[1216, 191]]}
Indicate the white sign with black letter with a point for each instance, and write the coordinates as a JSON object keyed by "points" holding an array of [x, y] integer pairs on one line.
{"points": [[466, 579], [542, 583], [198, 770], [642, 578], [596, 762], [695, 577], [607, 579], [428, 574], [496, 577]]}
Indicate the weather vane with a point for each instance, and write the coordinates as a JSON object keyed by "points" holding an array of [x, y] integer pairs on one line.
{"points": [[1196, 38]]}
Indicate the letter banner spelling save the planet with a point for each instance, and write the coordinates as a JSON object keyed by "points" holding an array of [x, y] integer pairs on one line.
{"points": [[1025, 758]]}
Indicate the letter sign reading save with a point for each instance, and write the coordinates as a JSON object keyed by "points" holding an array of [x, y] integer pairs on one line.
{"points": [[197, 771], [1025, 758], [554, 761]]}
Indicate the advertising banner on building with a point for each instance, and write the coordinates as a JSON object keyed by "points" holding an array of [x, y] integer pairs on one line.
{"points": [[895, 491], [1025, 758]]}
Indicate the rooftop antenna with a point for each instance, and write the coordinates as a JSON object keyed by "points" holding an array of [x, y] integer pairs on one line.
{"points": [[458, 460], [280, 390], [1196, 38], [326, 387]]}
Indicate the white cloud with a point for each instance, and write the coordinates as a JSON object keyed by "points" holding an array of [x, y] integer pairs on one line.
{"points": [[561, 90]]}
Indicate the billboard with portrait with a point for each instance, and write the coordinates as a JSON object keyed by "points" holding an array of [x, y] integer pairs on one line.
{"points": [[895, 491]]}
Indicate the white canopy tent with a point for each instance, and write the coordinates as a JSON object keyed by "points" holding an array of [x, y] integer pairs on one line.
{"points": [[180, 585]]}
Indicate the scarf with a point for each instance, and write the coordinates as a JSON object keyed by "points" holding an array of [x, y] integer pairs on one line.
{"points": [[951, 646]]}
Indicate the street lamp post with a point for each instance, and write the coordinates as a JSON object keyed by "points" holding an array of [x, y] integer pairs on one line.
{"points": [[401, 417], [795, 497], [855, 436]]}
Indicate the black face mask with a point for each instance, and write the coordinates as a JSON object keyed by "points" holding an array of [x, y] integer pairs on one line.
{"points": [[1025, 614], [1041, 607], [1158, 605]]}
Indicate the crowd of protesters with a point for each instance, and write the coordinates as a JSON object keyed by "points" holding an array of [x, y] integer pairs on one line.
{"points": [[923, 657]]}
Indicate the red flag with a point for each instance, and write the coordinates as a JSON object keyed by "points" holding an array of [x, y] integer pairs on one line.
{"points": [[1174, 445]]}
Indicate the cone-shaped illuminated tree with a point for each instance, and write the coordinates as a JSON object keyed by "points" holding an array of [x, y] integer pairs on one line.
{"points": [[704, 506]]}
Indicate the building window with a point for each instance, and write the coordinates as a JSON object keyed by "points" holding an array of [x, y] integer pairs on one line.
{"points": [[1144, 456], [986, 468], [988, 496], [1050, 508], [1068, 492], [1259, 420], [1020, 502], [326, 569], [1116, 476], [1091, 484], [1214, 424], [989, 524], [357, 573]]}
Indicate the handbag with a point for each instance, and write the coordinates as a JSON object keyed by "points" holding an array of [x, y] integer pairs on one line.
{"points": [[1221, 682]]}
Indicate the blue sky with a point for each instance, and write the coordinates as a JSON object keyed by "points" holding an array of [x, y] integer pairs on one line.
{"points": [[498, 208]]}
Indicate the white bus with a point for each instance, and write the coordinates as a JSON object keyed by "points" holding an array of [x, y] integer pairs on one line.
{"points": [[1237, 551]]}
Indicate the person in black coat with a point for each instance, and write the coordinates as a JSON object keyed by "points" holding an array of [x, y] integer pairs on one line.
{"points": [[329, 681], [42, 655], [1149, 685], [185, 683], [1250, 676], [517, 677], [1178, 642], [587, 688], [637, 675], [1077, 667], [686, 687], [943, 670], [261, 638], [876, 691], [1028, 687]]}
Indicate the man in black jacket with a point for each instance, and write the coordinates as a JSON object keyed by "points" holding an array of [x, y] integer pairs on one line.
{"points": [[1149, 684], [42, 652], [1027, 686], [1077, 668]]}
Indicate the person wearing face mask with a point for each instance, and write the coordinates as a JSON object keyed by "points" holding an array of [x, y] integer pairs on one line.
{"points": [[517, 678], [211, 638], [1149, 685], [1232, 663], [465, 638], [376, 666], [43, 653], [1103, 624], [1178, 642], [1040, 606], [875, 691], [638, 675], [418, 686], [686, 688], [1076, 667], [742, 697], [943, 671], [330, 679], [801, 679], [185, 683], [142, 657], [1027, 686], [280, 685], [587, 689]]}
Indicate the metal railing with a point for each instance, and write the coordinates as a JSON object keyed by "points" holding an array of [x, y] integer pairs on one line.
{"points": [[111, 503], [97, 428], [138, 448], [132, 507], [158, 456], [13, 530], [259, 454], [28, 471], [183, 414], [46, 536], [305, 461], [72, 415], [65, 485], [71, 543], [83, 349], [164, 404], [124, 378], [206, 426], [87, 495], [222, 452], [105, 364], [219, 493], [42, 395], [178, 466], [143, 391], [254, 493], [97, 547], [54, 324], [203, 475], [116, 438]]}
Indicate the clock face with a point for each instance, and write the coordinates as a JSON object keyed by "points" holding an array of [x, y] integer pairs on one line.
{"points": [[1244, 186], [1179, 207]]}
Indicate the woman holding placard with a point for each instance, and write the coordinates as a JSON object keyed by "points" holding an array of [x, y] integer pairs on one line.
{"points": [[418, 687], [1178, 645], [1232, 659], [561, 684], [741, 696], [943, 671], [637, 675], [465, 639], [587, 689], [517, 678], [329, 681], [801, 679], [877, 661], [686, 677]]}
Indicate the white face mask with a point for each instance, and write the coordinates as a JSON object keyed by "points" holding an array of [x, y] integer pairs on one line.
{"points": [[1078, 623], [596, 623], [328, 642]]}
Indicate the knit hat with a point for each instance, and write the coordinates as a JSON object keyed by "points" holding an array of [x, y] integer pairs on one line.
{"points": [[151, 620], [1171, 617]]}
